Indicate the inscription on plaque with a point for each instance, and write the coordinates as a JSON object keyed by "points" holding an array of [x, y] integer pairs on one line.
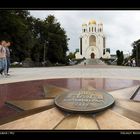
{"points": [[84, 101], [84, 98]]}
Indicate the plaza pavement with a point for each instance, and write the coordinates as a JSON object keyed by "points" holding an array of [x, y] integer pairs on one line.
{"points": [[89, 71]]}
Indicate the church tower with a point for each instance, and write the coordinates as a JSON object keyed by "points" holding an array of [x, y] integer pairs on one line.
{"points": [[92, 41]]}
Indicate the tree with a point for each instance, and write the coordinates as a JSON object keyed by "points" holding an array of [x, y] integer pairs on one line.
{"points": [[71, 56], [108, 50], [33, 38], [38, 31], [120, 57], [136, 51], [50, 35], [14, 27], [57, 40]]}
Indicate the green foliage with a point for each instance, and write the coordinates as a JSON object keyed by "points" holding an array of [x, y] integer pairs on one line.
{"points": [[136, 51], [108, 50], [57, 40], [27, 62], [120, 57], [77, 50], [33, 38], [71, 56], [14, 27]]}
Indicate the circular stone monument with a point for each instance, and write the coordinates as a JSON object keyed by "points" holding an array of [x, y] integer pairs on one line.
{"points": [[84, 101]]}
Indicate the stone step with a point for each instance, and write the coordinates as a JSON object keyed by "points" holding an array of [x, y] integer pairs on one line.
{"points": [[93, 62]]}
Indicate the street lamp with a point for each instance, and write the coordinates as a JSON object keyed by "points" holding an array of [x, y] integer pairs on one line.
{"points": [[137, 54], [44, 52], [44, 58]]}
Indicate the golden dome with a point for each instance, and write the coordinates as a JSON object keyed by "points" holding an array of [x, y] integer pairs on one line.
{"points": [[92, 22]]}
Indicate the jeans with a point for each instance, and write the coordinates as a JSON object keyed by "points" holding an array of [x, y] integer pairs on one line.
{"points": [[8, 64], [3, 65]]}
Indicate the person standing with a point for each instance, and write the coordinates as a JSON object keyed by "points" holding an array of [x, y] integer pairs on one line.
{"points": [[129, 63], [8, 43], [134, 63], [3, 61], [1, 58]]}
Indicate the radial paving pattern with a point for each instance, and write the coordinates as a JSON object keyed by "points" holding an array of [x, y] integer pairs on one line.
{"points": [[43, 114]]}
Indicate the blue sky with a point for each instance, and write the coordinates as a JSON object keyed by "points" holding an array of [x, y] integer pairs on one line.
{"points": [[121, 28]]}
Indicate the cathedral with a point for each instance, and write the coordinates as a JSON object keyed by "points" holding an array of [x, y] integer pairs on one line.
{"points": [[92, 42]]}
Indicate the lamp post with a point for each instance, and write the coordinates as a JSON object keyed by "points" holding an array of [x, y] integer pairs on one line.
{"points": [[44, 53], [44, 58], [137, 53]]}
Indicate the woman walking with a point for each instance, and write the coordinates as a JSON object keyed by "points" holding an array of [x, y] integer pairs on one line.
{"points": [[7, 45], [3, 60]]}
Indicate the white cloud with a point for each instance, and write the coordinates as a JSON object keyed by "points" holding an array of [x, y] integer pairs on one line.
{"points": [[120, 27]]}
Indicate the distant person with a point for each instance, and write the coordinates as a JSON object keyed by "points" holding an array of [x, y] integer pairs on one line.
{"points": [[7, 45], [129, 63], [133, 63], [84, 62]]}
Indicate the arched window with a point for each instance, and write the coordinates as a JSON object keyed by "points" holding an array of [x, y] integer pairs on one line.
{"points": [[92, 29], [104, 42], [84, 30], [103, 51], [92, 55], [92, 40]]}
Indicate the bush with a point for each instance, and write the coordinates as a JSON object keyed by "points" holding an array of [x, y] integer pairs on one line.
{"points": [[28, 62]]}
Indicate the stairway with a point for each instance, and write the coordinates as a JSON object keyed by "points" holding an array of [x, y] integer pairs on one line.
{"points": [[92, 62]]}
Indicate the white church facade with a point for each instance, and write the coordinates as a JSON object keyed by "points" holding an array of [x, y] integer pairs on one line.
{"points": [[92, 42]]}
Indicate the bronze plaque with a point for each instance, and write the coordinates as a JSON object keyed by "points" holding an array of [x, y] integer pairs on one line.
{"points": [[84, 101]]}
